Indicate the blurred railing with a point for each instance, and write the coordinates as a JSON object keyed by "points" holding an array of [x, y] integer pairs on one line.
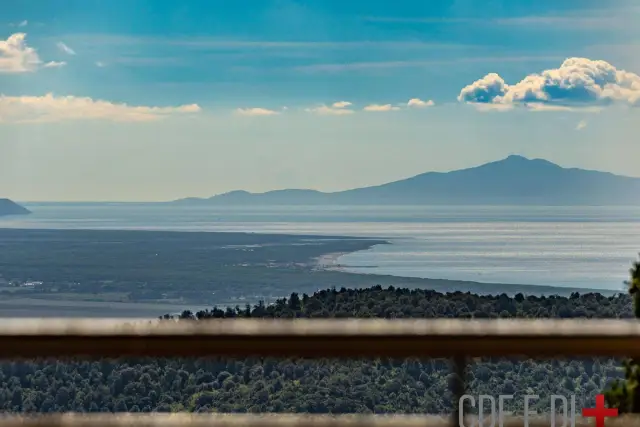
{"points": [[325, 338]]}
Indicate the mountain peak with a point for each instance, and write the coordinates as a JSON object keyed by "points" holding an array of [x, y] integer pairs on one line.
{"points": [[518, 160], [516, 157]]}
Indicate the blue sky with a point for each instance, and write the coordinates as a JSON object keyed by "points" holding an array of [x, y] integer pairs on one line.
{"points": [[159, 99]]}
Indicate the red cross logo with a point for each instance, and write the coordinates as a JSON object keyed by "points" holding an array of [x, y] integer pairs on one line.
{"points": [[600, 411]]}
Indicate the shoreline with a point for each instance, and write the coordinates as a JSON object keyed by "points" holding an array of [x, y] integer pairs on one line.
{"points": [[300, 266], [329, 263]]}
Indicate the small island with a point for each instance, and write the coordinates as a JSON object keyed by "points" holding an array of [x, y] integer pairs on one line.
{"points": [[9, 207]]}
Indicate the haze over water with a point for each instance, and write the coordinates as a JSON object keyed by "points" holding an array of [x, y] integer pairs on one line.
{"points": [[591, 247]]}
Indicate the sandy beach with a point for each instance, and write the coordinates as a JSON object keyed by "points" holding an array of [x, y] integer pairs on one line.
{"points": [[329, 261]]}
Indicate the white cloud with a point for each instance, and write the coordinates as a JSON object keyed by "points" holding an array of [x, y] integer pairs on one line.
{"points": [[100, 64], [380, 108], [256, 112], [493, 107], [587, 21], [577, 83], [324, 110], [55, 64], [20, 24], [50, 108], [66, 49], [16, 56], [581, 125], [548, 107], [418, 103], [421, 63], [485, 90], [341, 104]]}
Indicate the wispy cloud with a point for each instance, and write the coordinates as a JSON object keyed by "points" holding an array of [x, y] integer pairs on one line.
{"points": [[256, 112], [100, 64], [569, 21], [50, 108], [55, 64], [419, 103], [380, 108], [341, 104], [492, 107], [359, 66], [216, 43], [144, 61], [539, 106], [258, 44], [16, 56], [420, 20], [20, 24], [581, 125], [66, 49], [338, 108]]}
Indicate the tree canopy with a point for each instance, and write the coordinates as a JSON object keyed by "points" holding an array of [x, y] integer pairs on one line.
{"points": [[322, 386]]}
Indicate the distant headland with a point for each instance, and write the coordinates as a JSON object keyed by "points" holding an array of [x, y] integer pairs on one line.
{"points": [[9, 207], [515, 180]]}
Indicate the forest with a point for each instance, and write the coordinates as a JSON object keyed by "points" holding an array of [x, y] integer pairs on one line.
{"points": [[323, 386]]}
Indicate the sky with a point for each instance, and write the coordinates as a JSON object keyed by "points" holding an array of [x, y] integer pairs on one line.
{"points": [[151, 100]]}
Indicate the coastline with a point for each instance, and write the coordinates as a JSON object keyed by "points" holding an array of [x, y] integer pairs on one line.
{"points": [[329, 263], [251, 267]]}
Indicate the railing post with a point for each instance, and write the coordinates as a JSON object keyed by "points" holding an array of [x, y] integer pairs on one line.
{"points": [[458, 387]]}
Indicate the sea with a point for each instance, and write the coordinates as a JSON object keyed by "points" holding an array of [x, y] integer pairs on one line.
{"points": [[583, 247]]}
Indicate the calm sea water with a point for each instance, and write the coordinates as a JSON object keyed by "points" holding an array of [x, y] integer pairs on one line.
{"points": [[591, 247]]}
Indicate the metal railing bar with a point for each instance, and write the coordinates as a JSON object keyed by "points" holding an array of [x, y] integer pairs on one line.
{"points": [[270, 420], [458, 387], [438, 338]]}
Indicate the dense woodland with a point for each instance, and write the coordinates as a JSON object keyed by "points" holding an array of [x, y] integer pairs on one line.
{"points": [[322, 386]]}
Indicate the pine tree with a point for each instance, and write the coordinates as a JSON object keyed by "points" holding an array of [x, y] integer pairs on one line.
{"points": [[625, 395]]}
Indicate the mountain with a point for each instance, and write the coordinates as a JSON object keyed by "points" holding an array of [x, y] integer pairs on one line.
{"points": [[8, 207], [515, 180]]}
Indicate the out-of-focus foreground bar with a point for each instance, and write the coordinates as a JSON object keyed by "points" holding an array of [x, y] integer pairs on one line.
{"points": [[272, 420], [315, 338]]}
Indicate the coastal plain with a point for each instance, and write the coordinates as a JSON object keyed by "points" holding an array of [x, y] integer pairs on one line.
{"points": [[118, 273]]}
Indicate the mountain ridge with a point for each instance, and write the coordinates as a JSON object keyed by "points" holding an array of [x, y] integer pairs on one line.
{"points": [[512, 180]]}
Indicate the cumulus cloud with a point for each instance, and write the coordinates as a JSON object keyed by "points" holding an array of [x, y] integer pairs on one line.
{"points": [[336, 109], [16, 56], [486, 90], [50, 108], [578, 82], [55, 64], [419, 103], [66, 49], [380, 108], [256, 112]]}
